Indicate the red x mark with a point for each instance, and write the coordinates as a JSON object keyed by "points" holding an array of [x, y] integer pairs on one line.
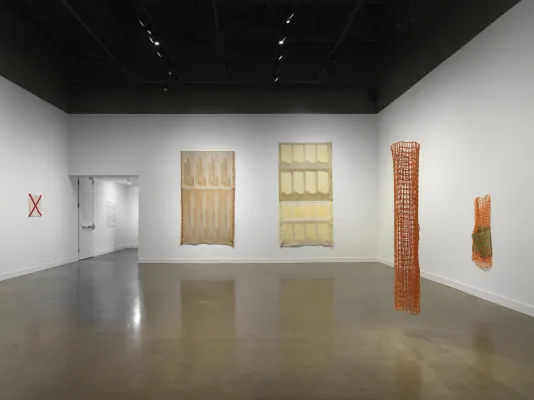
{"points": [[35, 203]]}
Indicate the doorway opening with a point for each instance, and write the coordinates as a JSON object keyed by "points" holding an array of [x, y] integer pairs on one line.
{"points": [[108, 214]]}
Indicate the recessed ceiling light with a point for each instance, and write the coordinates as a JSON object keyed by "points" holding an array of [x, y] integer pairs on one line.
{"points": [[279, 58], [289, 19], [159, 54], [276, 79], [141, 22], [156, 43], [281, 42], [152, 40]]}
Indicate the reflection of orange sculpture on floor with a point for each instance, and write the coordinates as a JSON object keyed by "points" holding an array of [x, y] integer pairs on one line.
{"points": [[407, 275], [482, 247]]}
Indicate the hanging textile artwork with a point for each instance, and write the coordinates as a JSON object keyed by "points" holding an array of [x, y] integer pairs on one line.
{"points": [[208, 194], [482, 248], [406, 205], [305, 194]]}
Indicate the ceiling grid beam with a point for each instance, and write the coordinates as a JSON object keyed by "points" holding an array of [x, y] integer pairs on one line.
{"points": [[97, 40], [219, 36], [355, 10]]}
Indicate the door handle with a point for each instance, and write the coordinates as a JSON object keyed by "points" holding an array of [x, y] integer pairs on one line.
{"points": [[93, 226]]}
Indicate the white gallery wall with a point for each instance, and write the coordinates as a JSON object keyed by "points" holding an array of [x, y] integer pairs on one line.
{"points": [[33, 159], [149, 146], [109, 237], [473, 118], [132, 217]]}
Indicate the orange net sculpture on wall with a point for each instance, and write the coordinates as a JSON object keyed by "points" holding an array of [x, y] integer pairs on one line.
{"points": [[407, 274], [482, 247]]}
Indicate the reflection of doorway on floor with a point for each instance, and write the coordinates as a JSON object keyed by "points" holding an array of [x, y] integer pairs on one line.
{"points": [[108, 214]]}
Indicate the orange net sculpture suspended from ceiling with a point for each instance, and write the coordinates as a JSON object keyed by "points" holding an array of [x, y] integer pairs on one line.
{"points": [[407, 274], [482, 247]]}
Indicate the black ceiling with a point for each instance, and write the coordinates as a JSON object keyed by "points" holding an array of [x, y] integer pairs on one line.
{"points": [[342, 44]]}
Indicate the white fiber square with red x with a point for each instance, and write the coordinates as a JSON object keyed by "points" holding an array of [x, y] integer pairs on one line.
{"points": [[34, 202]]}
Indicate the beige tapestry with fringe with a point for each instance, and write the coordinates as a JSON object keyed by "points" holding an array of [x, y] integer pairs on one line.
{"points": [[305, 194], [208, 194]]}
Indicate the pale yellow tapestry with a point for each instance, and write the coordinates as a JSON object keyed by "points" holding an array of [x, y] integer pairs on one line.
{"points": [[208, 194], [305, 180]]}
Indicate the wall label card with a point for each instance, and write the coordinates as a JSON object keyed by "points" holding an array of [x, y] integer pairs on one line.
{"points": [[305, 194], [208, 197], [111, 214]]}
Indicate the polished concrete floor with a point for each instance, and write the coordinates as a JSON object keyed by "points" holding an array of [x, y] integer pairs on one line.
{"points": [[107, 328]]}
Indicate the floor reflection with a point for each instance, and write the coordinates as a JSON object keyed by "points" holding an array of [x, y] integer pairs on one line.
{"points": [[484, 353], [306, 306], [108, 328], [208, 318], [408, 380]]}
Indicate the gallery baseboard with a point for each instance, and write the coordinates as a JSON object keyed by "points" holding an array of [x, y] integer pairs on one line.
{"points": [[257, 260], [113, 249], [385, 261], [474, 291], [36, 268]]}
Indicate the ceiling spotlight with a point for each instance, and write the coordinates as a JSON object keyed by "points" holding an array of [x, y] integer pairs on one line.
{"points": [[276, 79], [289, 19], [165, 88], [152, 40], [141, 22], [279, 58], [170, 72], [156, 43], [159, 54], [281, 42], [150, 33]]}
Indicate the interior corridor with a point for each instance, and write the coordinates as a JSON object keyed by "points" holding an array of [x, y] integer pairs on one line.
{"points": [[107, 328]]}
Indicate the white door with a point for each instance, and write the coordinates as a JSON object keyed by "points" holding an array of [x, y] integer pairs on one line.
{"points": [[86, 217]]}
